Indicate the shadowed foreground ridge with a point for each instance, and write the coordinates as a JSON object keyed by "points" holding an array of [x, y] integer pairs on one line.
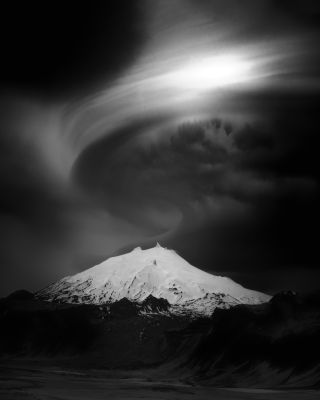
{"points": [[274, 344], [268, 345]]}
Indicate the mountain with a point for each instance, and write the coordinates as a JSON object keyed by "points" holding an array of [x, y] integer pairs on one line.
{"points": [[156, 272], [274, 344]]}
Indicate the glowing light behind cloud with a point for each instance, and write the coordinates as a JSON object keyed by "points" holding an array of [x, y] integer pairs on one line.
{"points": [[174, 86], [212, 72]]}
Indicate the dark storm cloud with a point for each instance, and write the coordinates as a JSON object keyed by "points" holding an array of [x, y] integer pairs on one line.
{"points": [[250, 138], [199, 159], [179, 169], [288, 146], [279, 233], [109, 175], [247, 191]]}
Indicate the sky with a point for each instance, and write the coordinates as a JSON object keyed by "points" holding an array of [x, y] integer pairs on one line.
{"points": [[193, 123]]}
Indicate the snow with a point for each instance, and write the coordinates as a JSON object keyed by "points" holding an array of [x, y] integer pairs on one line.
{"points": [[157, 271]]}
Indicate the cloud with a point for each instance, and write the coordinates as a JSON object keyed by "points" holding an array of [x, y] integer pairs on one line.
{"points": [[48, 227], [245, 191], [226, 177], [178, 173]]}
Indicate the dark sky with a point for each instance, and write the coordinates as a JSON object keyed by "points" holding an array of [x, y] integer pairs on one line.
{"points": [[107, 142]]}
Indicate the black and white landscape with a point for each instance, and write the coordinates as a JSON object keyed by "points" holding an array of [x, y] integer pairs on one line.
{"points": [[159, 199]]}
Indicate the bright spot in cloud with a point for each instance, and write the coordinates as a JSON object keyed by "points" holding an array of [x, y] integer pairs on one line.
{"points": [[212, 72]]}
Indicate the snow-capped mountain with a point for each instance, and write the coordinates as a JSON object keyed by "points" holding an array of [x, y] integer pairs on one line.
{"points": [[158, 272]]}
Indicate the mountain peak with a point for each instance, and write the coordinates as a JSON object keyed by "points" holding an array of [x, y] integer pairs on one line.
{"points": [[136, 249], [156, 271]]}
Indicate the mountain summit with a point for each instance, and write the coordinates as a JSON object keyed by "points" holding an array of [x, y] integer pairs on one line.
{"points": [[158, 272]]}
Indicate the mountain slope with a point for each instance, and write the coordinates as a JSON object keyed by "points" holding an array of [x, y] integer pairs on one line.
{"points": [[269, 345], [159, 272]]}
